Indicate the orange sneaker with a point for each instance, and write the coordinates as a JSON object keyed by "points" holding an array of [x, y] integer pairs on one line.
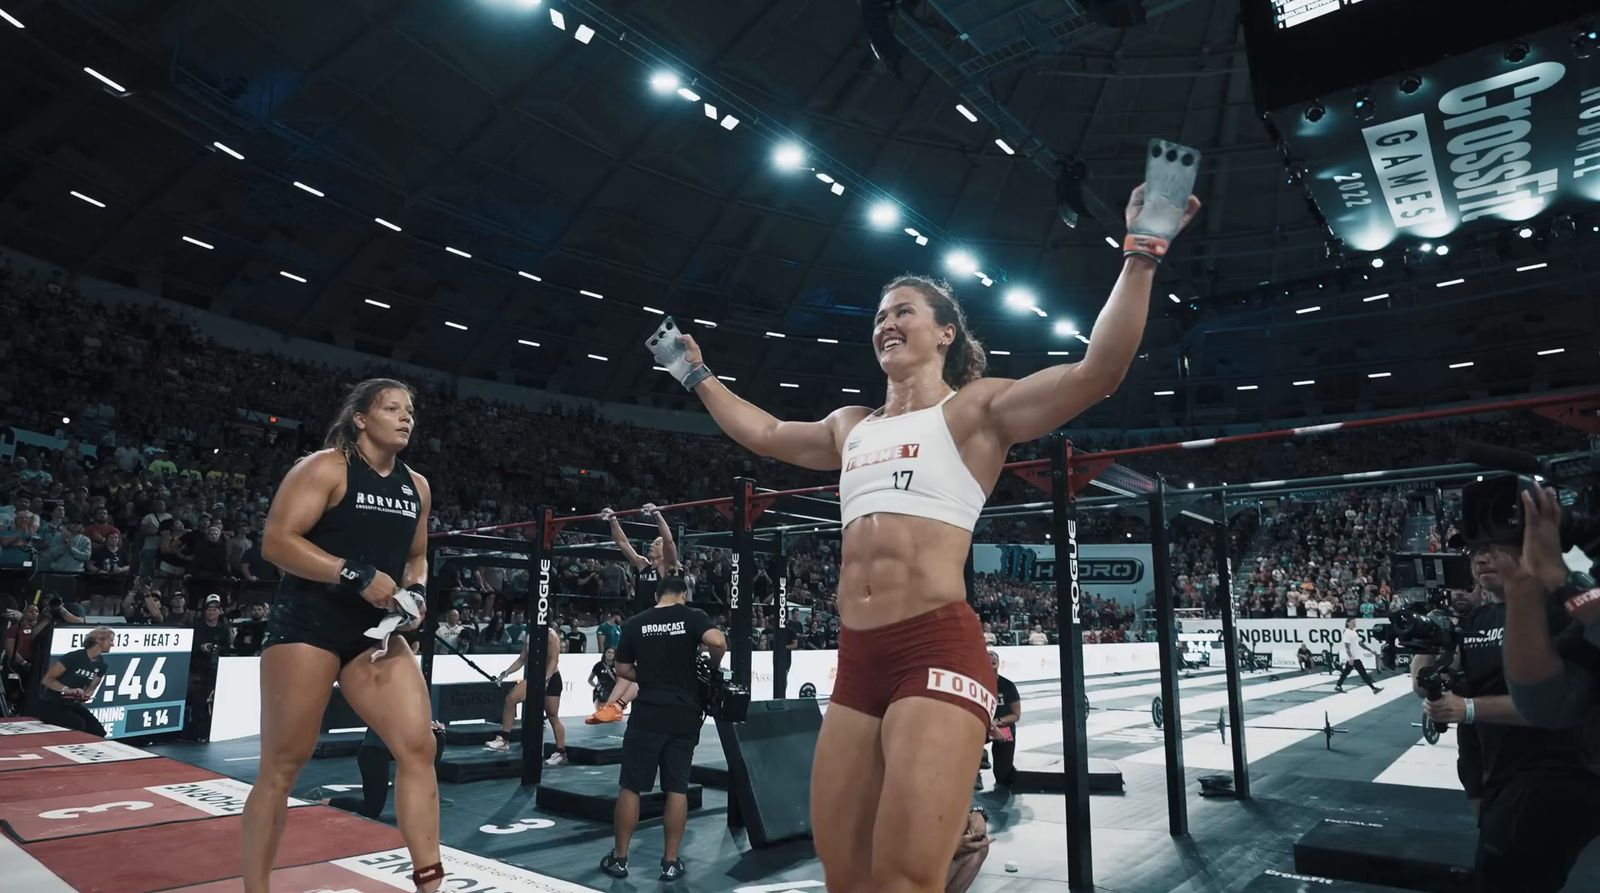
{"points": [[608, 713]]}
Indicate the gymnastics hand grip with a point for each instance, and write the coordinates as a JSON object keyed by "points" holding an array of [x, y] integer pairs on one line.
{"points": [[1169, 173]]}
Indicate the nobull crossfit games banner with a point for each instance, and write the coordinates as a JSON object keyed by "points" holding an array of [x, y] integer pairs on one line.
{"points": [[1283, 637], [1484, 138], [1118, 572]]}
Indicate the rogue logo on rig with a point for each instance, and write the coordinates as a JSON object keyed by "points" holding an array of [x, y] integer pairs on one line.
{"points": [[544, 591]]}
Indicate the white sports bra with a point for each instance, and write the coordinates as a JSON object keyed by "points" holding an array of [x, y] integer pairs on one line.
{"points": [[908, 465]]}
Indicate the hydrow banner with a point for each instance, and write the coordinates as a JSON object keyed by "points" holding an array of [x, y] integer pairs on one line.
{"points": [[1282, 638], [1118, 572]]}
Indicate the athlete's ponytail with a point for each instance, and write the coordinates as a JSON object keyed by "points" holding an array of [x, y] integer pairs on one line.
{"points": [[964, 359], [343, 432]]}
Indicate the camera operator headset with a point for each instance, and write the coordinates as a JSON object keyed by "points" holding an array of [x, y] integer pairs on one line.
{"points": [[1534, 790], [1552, 678]]}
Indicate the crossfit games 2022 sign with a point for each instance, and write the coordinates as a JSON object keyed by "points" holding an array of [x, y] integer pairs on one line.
{"points": [[1483, 142]]}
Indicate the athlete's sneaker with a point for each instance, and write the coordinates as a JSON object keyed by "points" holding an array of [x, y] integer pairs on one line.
{"points": [[613, 866], [608, 713], [1339, 689], [671, 871], [499, 744], [559, 758], [1376, 689]]}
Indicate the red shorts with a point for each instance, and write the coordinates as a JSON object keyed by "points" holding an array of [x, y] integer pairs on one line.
{"points": [[939, 655]]}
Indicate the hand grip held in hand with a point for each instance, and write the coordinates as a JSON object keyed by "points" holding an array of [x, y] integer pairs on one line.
{"points": [[1161, 206], [667, 347]]}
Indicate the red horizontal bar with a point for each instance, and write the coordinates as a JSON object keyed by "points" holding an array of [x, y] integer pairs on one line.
{"points": [[1328, 428]]}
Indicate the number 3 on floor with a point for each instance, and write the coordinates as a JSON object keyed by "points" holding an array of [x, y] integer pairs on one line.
{"points": [[73, 812], [520, 826]]}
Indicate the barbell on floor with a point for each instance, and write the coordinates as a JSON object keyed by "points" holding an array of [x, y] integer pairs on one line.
{"points": [[1155, 710], [1327, 729]]}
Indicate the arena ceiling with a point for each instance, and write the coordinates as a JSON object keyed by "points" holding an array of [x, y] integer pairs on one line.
{"points": [[523, 171]]}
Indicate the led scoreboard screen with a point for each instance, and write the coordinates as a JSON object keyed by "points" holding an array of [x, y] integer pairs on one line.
{"points": [[1289, 13], [147, 677]]}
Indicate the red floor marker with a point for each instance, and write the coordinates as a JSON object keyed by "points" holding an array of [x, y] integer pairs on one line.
{"points": [[96, 812], [186, 854], [76, 779]]}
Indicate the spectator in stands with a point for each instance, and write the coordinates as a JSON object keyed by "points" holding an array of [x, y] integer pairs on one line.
{"points": [[173, 554], [210, 553], [110, 556], [20, 541], [150, 537], [68, 550], [450, 629], [178, 612], [250, 633], [100, 527]]}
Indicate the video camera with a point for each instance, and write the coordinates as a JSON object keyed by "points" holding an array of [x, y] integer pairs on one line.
{"points": [[720, 698], [1425, 627], [1491, 511]]}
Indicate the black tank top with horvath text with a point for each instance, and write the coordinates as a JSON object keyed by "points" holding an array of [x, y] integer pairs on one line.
{"points": [[374, 523]]}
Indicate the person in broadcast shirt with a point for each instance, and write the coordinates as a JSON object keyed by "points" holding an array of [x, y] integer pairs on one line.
{"points": [[648, 571], [659, 650], [72, 682], [1532, 789]]}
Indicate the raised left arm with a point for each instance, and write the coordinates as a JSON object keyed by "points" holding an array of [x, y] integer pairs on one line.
{"points": [[669, 548], [1044, 401], [1032, 407]]}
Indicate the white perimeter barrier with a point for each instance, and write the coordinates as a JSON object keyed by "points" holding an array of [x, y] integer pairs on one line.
{"points": [[1282, 637], [237, 710]]}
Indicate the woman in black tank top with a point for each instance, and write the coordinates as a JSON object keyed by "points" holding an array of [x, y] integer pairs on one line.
{"points": [[348, 528]]}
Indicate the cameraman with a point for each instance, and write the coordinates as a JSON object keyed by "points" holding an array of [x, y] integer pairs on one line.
{"points": [[1552, 678], [659, 650], [1527, 784]]}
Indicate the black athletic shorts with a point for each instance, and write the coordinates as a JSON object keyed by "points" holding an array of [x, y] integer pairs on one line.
{"points": [[323, 620], [646, 750], [552, 686]]}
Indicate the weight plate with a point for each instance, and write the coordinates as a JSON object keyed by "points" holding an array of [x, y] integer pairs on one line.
{"points": [[1155, 711], [1430, 732]]}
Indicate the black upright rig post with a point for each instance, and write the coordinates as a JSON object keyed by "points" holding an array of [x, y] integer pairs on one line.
{"points": [[539, 608], [1167, 633], [1229, 604], [1069, 643], [741, 616]]}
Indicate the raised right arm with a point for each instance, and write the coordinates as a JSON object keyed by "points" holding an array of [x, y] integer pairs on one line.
{"points": [[806, 444]]}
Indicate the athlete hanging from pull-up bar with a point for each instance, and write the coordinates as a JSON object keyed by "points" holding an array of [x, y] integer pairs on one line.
{"points": [[663, 562]]}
